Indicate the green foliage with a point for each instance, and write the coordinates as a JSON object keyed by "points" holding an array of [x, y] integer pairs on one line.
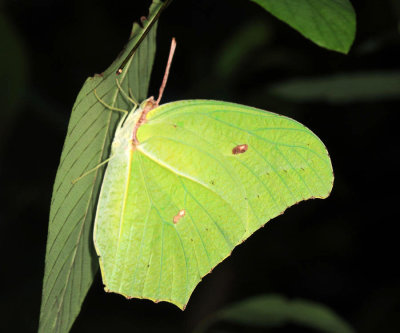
{"points": [[341, 88], [328, 23], [70, 259], [270, 311], [13, 66], [203, 176], [235, 48]]}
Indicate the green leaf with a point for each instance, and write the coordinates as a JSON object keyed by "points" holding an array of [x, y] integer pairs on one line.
{"points": [[328, 23], [200, 177], [275, 310], [70, 259], [341, 88]]}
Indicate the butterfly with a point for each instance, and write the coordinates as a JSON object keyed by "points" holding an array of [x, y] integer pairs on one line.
{"points": [[188, 181]]}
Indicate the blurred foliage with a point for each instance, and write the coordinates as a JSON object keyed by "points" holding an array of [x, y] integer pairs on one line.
{"points": [[236, 48], [14, 72], [341, 88], [270, 311]]}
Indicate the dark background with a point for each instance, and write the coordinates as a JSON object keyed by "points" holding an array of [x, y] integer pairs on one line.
{"points": [[341, 252]]}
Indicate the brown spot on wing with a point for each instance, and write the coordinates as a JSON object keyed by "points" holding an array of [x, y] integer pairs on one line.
{"points": [[178, 216], [240, 149]]}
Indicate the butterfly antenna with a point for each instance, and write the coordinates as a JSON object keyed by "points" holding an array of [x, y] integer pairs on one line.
{"points": [[164, 81]]}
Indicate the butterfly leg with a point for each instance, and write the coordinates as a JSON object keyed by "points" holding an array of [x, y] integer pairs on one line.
{"points": [[92, 170], [109, 106], [128, 97]]}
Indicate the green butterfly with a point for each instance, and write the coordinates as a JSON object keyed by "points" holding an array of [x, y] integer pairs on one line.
{"points": [[188, 181]]}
